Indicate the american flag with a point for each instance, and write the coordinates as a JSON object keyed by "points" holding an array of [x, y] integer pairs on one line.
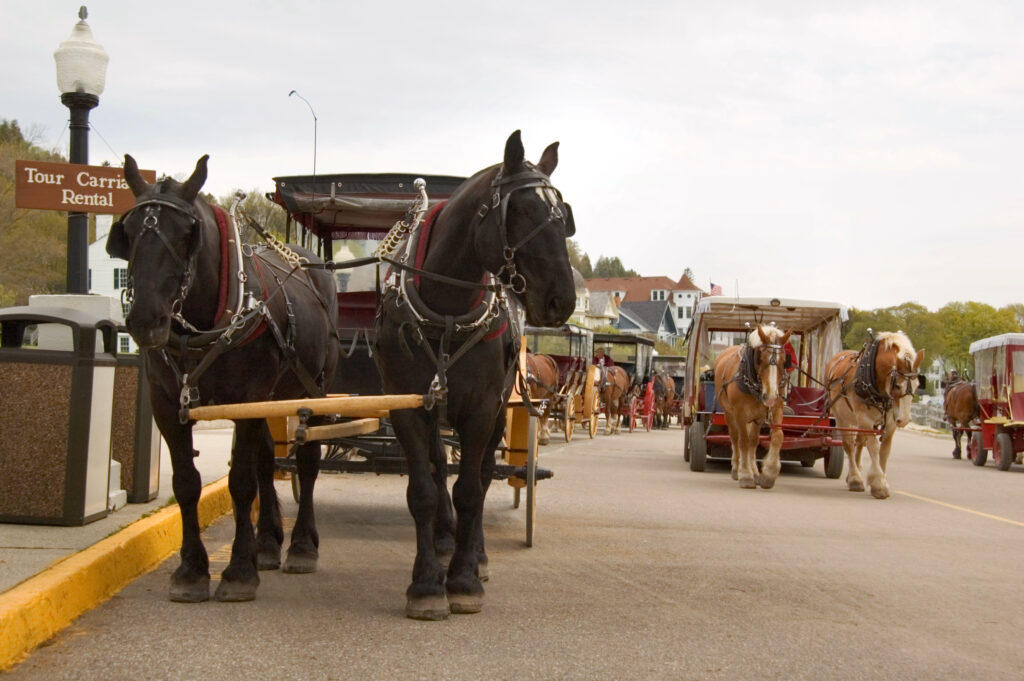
{"points": [[716, 290]]}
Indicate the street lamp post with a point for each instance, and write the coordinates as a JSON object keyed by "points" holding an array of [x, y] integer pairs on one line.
{"points": [[296, 93], [81, 75]]}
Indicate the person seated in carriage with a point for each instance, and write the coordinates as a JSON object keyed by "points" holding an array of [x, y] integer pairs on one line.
{"points": [[603, 357]]}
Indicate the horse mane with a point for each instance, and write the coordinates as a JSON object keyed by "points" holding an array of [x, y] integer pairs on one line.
{"points": [[773, 333], [899, 341]]}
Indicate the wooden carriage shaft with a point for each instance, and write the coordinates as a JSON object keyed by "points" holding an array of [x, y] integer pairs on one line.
{"points": [[365, 406]]}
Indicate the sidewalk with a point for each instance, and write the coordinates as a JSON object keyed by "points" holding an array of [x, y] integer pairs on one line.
{"points": [[27, 550]]}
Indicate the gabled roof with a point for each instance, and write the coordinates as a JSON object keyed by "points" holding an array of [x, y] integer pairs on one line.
{"points": [[602, 304], [649, 313], [639, 288]]}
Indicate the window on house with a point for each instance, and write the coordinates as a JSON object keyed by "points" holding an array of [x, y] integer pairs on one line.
{"points": [[120, 277], [124, 343]]}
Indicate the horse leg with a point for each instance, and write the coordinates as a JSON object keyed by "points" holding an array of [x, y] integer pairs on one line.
{"points": [[771, 465], [240, 578], [465, 590], [304, 550], [269, 531], [852, 445], [734, 443], [748, 455], [956, 440], [545, 435], [487, 465], [879, 452], [444, 520], [425, 596], [190, 582]]}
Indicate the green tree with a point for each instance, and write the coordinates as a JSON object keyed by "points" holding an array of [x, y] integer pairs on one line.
{"points": [[33, 242], [611, 267], [579, 259], [964, 323]]}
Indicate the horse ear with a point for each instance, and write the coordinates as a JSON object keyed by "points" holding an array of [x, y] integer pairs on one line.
{"points": [[785, 337], [133, 177], [117, 241], [190, 190], [514, 153], [762, 335], [549, 159], [917, 360]]}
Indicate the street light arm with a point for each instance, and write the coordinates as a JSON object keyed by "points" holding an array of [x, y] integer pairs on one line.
{"points": [[296, 93]]}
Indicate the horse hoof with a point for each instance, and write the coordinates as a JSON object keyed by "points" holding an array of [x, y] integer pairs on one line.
{"points": [[236, 592], [855, 485], [764, 482], [483, 573], [300, 562], [734, 474], [956, 453], [268, 559], [430, 608], [194, 592], [880, 492], [466, 604], [748, 484]]}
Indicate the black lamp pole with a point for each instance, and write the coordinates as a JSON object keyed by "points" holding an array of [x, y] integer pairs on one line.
{"points": [[79, 103]]}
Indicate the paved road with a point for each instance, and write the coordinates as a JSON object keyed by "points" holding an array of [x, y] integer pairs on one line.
{"points": [[641, 570]]}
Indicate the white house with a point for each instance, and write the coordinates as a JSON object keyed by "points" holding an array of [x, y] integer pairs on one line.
{"points": [[109, 276]]}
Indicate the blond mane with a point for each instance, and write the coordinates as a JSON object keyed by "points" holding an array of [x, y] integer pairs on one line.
{"points": [[900, 341]]}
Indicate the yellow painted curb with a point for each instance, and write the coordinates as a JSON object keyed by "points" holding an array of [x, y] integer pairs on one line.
{"points": [[35, 610]]}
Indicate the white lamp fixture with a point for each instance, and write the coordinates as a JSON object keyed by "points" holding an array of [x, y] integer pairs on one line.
{"points": [[81, 61]]}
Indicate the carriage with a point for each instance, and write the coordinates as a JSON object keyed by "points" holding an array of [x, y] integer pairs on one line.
{"points": [[673, 366], [807, 426], [999, 376], [575, 401], [634, 354]]}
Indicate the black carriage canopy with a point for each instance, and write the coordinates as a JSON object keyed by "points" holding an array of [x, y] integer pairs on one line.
{"points": [[356, 205]]}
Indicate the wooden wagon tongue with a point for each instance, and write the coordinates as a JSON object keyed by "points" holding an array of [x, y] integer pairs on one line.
{"points": [[338, 405]]}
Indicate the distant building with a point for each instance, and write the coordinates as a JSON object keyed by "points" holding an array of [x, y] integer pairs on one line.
{"points": [[680, 296], [651, 317], [109, 276]]}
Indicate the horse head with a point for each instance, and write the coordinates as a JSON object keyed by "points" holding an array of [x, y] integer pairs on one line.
{"points": [[522, 235], [896, 365], [767, 343], [160, 237]]}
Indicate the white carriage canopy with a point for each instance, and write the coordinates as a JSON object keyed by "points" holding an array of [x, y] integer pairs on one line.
{"points": [[998, 366], [719, 321]]}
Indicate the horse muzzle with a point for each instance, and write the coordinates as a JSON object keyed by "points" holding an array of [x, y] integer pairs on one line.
{"points": [[150, 335]]}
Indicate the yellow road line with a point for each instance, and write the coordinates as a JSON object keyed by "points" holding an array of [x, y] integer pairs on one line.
{"points": [[961, 508], [35, 610]]}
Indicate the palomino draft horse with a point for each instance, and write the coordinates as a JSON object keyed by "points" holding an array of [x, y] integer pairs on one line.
{"points": [[614, 388], [960, 402], [750, 388], [542, 379], [870, 392], [219, 322], [664, 393], [444, 332]]}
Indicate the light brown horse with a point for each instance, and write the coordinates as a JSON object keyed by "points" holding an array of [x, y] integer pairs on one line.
{"points": [[750, 388], [870, 394], [613, 388], [542, 379], [960, 402]]}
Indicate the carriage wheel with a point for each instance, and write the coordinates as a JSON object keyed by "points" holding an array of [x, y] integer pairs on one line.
{"points": [[976, 451], [570, 417], [1002, 451], [595, 411], [697, 446], [648, 420], [834, 462], [632, 415]]}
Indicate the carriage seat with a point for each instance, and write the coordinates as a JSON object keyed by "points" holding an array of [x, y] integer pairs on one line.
{"points": [[356, 310], [806, 400]]}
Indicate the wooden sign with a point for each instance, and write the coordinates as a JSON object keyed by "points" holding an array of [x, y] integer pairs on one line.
{"points": [[73, 187]]}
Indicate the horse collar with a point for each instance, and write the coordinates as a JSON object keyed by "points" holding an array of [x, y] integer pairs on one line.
{"points": [[865, 383], [747, 378]]}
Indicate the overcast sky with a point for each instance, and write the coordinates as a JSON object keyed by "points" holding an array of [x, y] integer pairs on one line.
{"points": [[862, 152]]}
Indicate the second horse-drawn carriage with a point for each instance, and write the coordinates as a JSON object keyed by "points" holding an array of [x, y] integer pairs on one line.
{"points": [[632, 354], [999, 380], [815, 336], [572, 389]]}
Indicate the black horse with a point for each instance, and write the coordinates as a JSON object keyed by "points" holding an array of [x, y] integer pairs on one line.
{"points": [[460, 343], [223, 323]]}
